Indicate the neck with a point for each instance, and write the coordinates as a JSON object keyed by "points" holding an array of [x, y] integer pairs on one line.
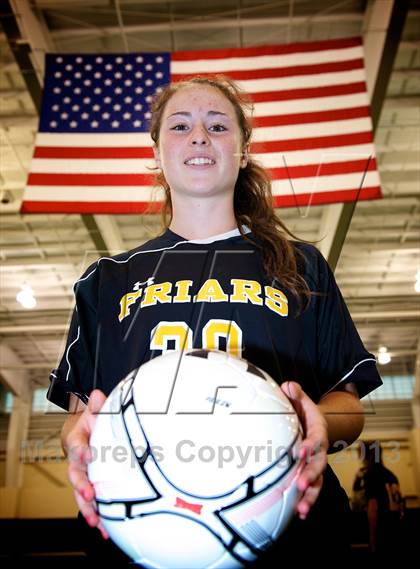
{"points": [[201, 218]]}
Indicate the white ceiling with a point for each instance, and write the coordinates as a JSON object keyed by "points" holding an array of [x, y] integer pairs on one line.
{"points": [[380, 257]]}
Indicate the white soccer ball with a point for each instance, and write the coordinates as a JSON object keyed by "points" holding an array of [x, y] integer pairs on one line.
{"points": [[195, 461]]}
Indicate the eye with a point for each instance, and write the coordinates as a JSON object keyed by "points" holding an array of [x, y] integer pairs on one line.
{"points": [[218, 128], [179, 127]]}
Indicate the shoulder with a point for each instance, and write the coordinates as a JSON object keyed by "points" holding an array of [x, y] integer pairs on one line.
{"points": [[312, 265], [109, 263], [157, 244], [308, 252]]}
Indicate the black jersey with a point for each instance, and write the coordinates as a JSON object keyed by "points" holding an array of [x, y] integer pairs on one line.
{"points": [[172, 293], [382, 485]]}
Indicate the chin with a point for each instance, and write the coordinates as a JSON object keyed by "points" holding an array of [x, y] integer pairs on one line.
{"points": [[203, 191], [196, 189], [203, 188]]}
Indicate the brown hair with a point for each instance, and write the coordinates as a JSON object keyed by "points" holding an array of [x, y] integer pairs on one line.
{"points": [[253, 200]]}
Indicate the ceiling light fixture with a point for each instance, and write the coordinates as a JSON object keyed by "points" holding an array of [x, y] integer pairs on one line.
{"points": [[26, 297], [384, 356]]}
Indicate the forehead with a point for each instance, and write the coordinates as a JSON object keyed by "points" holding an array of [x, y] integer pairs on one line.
{"points": [[199, 98]]}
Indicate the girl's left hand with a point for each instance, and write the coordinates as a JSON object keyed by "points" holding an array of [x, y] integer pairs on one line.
{"points": [[313, 448]]}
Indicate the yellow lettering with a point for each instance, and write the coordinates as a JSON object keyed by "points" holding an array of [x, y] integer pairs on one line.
{"points": [[183, 288], [156, 293], [211, 291], [125, 303], [177, 332], [216, 329], [276, 301], [245, 291]]}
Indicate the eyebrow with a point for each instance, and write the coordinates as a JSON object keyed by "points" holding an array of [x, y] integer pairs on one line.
{"points": [[188, 114]]}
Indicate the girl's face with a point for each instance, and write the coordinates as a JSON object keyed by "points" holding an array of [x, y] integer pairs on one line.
{"points": [[200, 143]]}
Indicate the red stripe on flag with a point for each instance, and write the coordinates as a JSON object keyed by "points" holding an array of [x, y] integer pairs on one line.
{"points": [[307, 118], [319, 197], [311, 143], [90, 179], [92, 152], [249, 74], [325, 169], [309, 92], [29, 206], [301, 47]]}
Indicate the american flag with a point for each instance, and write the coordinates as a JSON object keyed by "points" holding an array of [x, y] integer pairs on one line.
{"points": [[312, 128]]}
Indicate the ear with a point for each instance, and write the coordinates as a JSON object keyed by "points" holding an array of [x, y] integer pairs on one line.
{"points": [[245, 157], [156, 155]]}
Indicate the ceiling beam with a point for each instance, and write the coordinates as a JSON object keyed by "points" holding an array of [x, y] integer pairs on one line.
{"points": [[15, 381], [26, 366], [33, 263], [11, 20], [91, 225], [31, 328], [200, 23], [386, 315], [109, 229], [12, 93], [407, 327]]}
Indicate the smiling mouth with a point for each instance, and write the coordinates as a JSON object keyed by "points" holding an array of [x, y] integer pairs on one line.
{"points": [[199, 162]]}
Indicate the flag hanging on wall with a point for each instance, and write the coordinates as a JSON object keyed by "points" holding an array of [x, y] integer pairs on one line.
{"points": [[312, 127]]}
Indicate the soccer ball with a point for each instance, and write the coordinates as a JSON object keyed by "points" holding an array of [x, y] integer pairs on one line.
{"points": [[194, 461]]}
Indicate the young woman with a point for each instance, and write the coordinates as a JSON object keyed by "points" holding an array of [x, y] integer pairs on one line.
{"points": [[225, 274]]}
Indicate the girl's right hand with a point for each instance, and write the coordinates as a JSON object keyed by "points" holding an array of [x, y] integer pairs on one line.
{"points": [[79, 455]]}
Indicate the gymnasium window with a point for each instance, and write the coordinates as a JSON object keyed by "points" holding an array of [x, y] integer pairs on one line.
{"points": [[40, 403], [6, 401], [394, 387]]}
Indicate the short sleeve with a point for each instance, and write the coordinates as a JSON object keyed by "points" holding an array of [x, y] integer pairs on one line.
{"points": [[76, 370], [341, 355]]}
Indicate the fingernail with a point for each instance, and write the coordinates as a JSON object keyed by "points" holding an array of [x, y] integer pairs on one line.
{"points": [[303, 486], [87, 494]]}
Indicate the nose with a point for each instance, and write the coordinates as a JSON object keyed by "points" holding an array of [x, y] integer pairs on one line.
{"points": [[199, 136]]}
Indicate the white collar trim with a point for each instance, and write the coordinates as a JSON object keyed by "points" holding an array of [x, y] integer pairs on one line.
{"points": [[220, 236]]}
